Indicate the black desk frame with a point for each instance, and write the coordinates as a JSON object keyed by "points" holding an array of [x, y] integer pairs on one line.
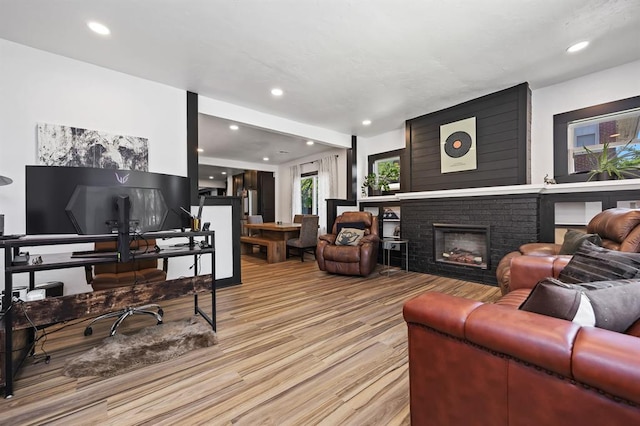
{"points": [[65, 260]]}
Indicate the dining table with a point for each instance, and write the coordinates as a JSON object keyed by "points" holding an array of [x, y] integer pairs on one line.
{"points": [[274, 231]]}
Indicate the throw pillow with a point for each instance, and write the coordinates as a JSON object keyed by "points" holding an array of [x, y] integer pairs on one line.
{"points": [[612, 305], [354, 225], [573, 240], [592, 263], [349, 237]]}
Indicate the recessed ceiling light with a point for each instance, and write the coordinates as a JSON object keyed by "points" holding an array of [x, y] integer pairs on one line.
{"points": [[224, 173], [234, 127], [577, 47], [210, 177], [366, 122], [265, 158], [200, 150], [309, 142], [277, 92], [98, 28]]}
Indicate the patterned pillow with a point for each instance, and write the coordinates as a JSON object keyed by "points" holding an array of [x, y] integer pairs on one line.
{"points": [[349, 237], [592, 263]]}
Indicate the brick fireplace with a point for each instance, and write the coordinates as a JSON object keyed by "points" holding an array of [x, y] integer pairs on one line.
{"points": [[509, 221], [462, 245]]}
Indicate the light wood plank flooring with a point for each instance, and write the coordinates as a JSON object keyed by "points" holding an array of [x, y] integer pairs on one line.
{"points": [[297, 347]]}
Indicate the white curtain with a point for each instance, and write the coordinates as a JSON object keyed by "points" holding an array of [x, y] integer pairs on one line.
{"points": [[327, 187], [296, 196]]}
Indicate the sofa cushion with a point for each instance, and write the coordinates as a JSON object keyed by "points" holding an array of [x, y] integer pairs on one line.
{"points": [[613, 305], [593, 263], [573, 239], [349, 237]]}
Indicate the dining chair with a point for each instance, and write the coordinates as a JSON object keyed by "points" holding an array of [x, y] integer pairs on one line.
{"points": [[308, 238], [251, 220], [298, 218]]}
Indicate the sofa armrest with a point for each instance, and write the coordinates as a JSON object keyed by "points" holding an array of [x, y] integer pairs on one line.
{"points": [[372, 239], [330, 238], [540, 249], [526, 271]]}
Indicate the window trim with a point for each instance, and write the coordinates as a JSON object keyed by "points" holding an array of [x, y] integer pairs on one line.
{"points": [[560, 135]]}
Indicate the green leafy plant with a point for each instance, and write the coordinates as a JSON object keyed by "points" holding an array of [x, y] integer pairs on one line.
{"points": [[614, 161], [370, 181], [389, 172]]}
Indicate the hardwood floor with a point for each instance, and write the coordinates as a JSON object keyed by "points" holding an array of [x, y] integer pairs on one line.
{"points": [[297, 346]]}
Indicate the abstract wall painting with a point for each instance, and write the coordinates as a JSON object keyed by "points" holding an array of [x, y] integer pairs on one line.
{"points": [[75, 147]]}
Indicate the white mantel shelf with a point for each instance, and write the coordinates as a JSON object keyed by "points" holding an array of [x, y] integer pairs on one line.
{"points": [[563, 188]]}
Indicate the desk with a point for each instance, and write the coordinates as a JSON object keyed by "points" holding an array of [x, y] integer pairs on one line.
{"points": [[83, 302], [389, 244], [279, 232]]}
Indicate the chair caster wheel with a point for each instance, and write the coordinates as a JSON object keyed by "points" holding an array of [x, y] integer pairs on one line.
{"points": [[88, 331], [160, 312], [159, 322]]}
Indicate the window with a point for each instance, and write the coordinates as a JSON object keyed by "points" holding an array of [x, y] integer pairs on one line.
{"points": [[309, 193], [386, 167], [615, 131], [591, 128]]}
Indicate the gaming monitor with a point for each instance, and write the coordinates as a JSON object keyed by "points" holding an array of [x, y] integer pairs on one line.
{"points": [[82, 200]]}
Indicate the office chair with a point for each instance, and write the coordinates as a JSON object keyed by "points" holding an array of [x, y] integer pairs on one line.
{"points": [[113, 275]]}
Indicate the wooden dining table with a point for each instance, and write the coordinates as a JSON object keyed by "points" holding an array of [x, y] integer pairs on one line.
{"points": [[273, 236]]}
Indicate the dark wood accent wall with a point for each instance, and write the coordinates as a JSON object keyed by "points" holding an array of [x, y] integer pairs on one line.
{"points": [[502, 143]]}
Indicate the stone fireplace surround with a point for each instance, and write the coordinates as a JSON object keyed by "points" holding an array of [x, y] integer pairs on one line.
{"points": [[512, 213]]}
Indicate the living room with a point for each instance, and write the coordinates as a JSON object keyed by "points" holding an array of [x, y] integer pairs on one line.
{"points": [[40, 86]]}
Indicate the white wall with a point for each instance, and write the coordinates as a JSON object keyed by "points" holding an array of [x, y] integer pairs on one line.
{"points": [[36, 86], [593, 89], [384, 142]]}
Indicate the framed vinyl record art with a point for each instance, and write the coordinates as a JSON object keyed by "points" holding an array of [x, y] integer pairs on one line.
{"points": [[458, 146]]}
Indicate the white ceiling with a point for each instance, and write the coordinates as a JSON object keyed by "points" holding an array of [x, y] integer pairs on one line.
{"points": [[338, 61], [248, 144]]}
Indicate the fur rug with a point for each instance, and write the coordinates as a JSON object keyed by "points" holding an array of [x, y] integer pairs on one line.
{"points": [[121, 353]]}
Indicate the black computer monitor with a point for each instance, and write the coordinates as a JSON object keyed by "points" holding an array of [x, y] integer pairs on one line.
{"points": [[82, 200]]}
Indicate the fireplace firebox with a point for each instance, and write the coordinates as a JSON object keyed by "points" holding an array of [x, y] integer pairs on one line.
{"points": [[465, 245]]}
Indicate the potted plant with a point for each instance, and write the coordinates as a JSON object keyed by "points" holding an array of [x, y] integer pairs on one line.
{"points": [[614, 162], [370, 182]]}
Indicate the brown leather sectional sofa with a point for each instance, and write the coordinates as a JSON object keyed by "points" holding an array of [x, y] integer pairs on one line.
{"points": [[619, 229], [473, 363]]}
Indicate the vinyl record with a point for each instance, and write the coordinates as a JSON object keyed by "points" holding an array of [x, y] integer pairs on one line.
{"points": [[457, 144]]}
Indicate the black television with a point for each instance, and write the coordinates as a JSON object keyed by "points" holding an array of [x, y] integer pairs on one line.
{"points": [[83, 200]]}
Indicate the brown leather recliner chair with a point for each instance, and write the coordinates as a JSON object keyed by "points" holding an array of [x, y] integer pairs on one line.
{"points": [[350, 260], [619, 229]]}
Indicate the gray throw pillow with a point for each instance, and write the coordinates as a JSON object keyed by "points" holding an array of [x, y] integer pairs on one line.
{"points": [[573, 239], [592, 263], [612, 305]]}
